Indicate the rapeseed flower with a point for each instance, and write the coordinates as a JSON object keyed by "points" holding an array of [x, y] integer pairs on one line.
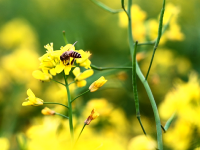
{"points": [[47, 111], [50, 62], [32, 100], [97, 84], [84, 60], [80, 77], [43, 76], [91, 117]]}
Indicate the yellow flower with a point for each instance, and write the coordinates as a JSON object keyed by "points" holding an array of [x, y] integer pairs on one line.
{"points": [[47, 111], [32, 100], [142, 142], [4, 142], [137, 14], [91, 117], [97, 84], [80, 77], [84, 61], [43, 76]]}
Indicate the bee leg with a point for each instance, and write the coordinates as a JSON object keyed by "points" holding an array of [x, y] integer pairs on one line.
{"points": [[72, 61]]}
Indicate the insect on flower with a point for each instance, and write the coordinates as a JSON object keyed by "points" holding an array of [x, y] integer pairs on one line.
{"points": [[65, 57]]}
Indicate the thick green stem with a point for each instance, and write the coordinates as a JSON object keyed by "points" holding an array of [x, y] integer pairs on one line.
{"points": [[145, 83], [134, 83], [80, 95], [70, 108], [55, 103]]}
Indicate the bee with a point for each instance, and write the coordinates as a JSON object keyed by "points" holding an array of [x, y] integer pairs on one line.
{"points": [[65, 57]]}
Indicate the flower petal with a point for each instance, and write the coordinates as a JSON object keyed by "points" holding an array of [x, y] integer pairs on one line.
{"points": [[76, 71], [67, 69], [31, 95]]}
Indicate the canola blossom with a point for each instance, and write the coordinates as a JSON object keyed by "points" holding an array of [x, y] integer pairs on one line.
{"points": [[97, 84], [91, 117], [47, 111], [51, 65], [32, 100], [80, 77]]}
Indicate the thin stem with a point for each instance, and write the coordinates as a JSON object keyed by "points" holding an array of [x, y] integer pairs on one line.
{"points": [[79, 95], [55, 103], [106, 7], [61, 115], [57, 82], [80, 133], [70, 108], [123, 7], [107, 68], [134, 83], [154, 107], [64, 37], [130, 37], [158, 38], [163, 128], [72, 82], [169, 121]]}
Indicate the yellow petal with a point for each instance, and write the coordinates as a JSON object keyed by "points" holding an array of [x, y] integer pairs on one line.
{"points": [[59, 68], [67, 69], [38, 101], [40, 75], [81, 83], [47, 111], [31, 95], [27, 103], [76, 71], [85, 75], [53, 71], [85, 64], [97, 84]]}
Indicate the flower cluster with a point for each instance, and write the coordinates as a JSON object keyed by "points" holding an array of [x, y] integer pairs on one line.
{"points": [[50, 63]]}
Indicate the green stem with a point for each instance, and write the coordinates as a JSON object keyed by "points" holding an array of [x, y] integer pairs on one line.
{"points": [[158, 38], [61, 115], [134, 83], [55, 103], [80, 133], [70, 108], [123, 7], [107, 68], [57, 82], [64, 37], [72, 82], [79, 95], [145, 83], [154, 107], [169, 121], [106, 7]]}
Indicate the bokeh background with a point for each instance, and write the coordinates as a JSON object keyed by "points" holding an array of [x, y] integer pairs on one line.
{"points": [[26, 26]]}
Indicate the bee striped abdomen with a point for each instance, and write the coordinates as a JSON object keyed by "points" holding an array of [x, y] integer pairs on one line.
{"points": [[74, 54], [65, 57]]}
